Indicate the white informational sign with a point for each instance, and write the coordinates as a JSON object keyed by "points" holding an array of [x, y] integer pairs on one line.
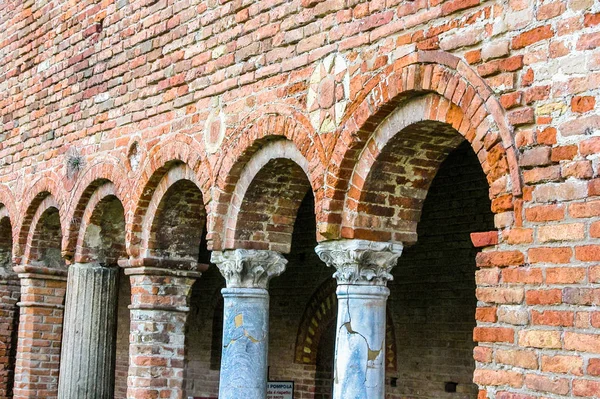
{"points": [[280, 390]]}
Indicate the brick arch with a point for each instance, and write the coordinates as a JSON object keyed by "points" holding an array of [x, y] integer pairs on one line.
{"points": [[8, 201], [180, 150], [176, 217], [320, 311], [6, 240], [97, 174], [464, 102], [46, 186], [104, 209], [266, 198], [42, 236], [268, 123]]}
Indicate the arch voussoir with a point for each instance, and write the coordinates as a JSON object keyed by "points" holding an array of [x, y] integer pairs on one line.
{"points": [[461, 99]]}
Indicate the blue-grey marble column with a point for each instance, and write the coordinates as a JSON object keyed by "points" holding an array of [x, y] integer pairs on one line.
{"points": [[244, 362], [363, 270]]}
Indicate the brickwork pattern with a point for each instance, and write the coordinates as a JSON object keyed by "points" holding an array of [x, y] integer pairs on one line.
{"points": [[125, 91]]}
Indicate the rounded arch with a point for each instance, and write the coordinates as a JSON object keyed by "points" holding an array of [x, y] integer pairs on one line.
{"points": [[7, 201], [6, 241], [262, 206], [166, 163], [33, 199], [319, 313], [463, 101], [101, 235], [43, 241], [273, 122], [97, 174]]}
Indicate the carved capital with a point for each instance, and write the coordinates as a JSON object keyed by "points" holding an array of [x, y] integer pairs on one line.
{"points": [[360, 262], [249, 268]]}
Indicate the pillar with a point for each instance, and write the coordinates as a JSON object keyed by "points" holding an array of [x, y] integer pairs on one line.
{"points": [[88, 349], [160, 294], [362, 272], [40, 331], [9, 314], [244, 362]]}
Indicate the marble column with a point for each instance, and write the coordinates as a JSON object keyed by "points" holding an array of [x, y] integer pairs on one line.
{"points": [[40, 331], [362, 271], [160, 295], [244, 362], [87, 369]]}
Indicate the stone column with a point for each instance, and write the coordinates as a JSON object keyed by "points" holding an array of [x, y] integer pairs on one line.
{"points": [[362, 271], [244, 362], [40, 331], [9, 314], [87, 369], [160, 293]]}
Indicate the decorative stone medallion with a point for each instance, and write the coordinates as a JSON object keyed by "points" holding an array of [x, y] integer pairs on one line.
{"points": [[328, 93], [214, 128]]}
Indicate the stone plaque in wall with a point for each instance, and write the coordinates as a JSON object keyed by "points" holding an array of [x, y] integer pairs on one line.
{"points": [[280, 390]]}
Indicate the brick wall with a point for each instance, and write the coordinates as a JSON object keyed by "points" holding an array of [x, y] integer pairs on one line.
{"points": [[148, 92]]}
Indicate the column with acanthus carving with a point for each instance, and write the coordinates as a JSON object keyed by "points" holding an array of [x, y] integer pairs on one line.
{"points": [[363, 269], [246, 320]]}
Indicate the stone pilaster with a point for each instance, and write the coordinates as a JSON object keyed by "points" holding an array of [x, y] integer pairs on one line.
{"points": [[88, 352], [363, 269], [40, 331], [159, 309], [9, 314], [244, 362]]}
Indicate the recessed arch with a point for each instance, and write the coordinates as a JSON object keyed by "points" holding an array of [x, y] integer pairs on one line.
{"points": [[266, 198], [43, 188], [43, 247], [175, 159], [102, 235], [462, 100], [98, 173], [273, 122], [6, 242]]}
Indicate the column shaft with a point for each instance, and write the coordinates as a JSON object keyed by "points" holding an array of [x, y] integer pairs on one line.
{"points": [[244, 363], [40, 331], [88, 350], [245, 343], [363, 269], [360, 342], [159, 310]]}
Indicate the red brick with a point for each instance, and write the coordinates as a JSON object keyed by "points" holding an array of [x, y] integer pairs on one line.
{"points": [[582, 104], [532, 36]]}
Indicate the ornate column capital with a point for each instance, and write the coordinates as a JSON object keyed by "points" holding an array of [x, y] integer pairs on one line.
{"points": [[249, 268], [360, 262]]}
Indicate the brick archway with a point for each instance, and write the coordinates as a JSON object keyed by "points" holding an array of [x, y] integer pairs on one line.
{"points": [[269, 123], [182, 154], [105, 171], [266, 197], [463, 101], [41, 196], [104, 210]]}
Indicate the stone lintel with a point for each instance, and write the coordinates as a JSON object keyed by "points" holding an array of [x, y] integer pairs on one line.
{"points": [[360, 262], [40, 272], [164, 267], [249, 268]]}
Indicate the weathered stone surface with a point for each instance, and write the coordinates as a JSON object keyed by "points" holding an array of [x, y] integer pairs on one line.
{"points": [[88, 347]]}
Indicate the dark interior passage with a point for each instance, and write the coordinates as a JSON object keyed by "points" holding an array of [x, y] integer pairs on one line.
{"points": [[433, 291]]}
